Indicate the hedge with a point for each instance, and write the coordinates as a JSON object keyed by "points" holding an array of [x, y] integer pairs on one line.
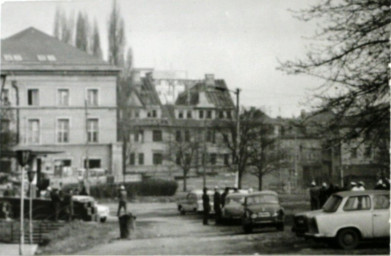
{"points": [[150, 187]]}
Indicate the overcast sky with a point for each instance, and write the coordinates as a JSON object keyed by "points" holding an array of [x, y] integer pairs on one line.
{"points": [[240, 41]]}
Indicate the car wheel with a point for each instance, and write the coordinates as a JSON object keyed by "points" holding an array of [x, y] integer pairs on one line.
{"points": [[103, 219], [348, 238], [280, 226], [247, 228]]}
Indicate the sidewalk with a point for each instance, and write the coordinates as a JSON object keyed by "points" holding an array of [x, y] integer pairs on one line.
{"points": [[13, 249]]}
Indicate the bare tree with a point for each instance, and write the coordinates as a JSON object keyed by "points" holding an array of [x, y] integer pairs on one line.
{"points": [[183, 148], [116, 36], [352, 59], [265, 154]]}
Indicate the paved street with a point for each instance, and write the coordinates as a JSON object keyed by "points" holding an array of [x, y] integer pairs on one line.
{"points": [[161, 230]]}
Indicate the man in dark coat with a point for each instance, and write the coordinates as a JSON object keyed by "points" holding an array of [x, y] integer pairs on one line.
{"points": [[314, 196], [68, 204], [323, 195], [122, 200], [56, 203], [206, 206], [223, 196], [216, 205]]}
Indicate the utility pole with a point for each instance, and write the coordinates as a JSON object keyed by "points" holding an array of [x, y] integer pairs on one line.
{"points": [[237, 179], [204, 155]]}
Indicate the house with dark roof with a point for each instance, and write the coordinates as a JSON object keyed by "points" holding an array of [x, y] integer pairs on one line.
{"points": [[64, 100], [155, 126]]}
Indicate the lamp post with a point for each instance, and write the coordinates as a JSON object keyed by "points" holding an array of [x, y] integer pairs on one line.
{"points": [[237, 93], [24, 157], [30, 176]]}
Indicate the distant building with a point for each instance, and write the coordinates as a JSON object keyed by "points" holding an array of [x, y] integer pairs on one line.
{"points": [[63, 100]]}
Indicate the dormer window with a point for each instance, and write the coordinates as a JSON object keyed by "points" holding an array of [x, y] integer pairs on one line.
{"points": [[180, 114], [41, 57], [17, 57], [8, 57], [51, 58]]}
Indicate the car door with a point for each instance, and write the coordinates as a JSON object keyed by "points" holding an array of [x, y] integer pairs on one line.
{"points": [[381, 214], [187, 202]]}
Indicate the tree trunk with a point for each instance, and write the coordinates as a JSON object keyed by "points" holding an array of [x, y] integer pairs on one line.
{"points": [[184, 180], [260, 177]]}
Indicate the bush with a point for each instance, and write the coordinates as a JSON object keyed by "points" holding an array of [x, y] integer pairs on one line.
{"points": [[152, 187]]}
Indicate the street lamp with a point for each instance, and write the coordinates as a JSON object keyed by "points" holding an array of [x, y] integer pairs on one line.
{"points": [[30, 176], [237, 93], [24, 157]]}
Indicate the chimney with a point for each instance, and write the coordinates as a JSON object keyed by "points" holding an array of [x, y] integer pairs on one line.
{"points": [[209, 80]]}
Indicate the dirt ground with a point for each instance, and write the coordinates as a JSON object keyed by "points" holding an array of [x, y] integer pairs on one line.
{"points": [[161, 230]]}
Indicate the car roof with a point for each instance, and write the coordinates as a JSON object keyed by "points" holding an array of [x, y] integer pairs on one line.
{"points": [[238, 194], [263, 192], [200, 192], [362, 193]]}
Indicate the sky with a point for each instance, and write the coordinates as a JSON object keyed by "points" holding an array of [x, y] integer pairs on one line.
{"points": [[240, 41]]}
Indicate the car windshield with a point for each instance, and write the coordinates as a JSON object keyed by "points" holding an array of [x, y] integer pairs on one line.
{"points": [[332, 203], [258, 199]]}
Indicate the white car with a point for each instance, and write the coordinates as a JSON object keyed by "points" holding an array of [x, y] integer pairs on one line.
{"points": [[348, 217], [103, 211], [192, 202]]}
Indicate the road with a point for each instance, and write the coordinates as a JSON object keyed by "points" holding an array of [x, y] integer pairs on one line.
{"points": [[161, 230]]}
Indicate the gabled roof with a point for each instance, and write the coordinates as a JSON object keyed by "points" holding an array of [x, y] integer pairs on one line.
{"points": [[20, 52], [147, 92], [219, 98]]}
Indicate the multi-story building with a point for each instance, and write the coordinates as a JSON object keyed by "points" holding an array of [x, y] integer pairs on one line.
{"points": [[154, 126], [64, 100]]}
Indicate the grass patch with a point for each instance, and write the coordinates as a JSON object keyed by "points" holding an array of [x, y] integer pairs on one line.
{"points": [[77, 236]]}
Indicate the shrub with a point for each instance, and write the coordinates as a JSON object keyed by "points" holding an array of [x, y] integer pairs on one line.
{"points": [[151, 187]]}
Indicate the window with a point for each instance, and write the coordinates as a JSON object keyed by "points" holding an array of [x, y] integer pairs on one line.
{"points": [[4, 125], [51, 58], [5, 95], [210, 136], [93, 130], [201, 114], [92, 163], [178, 159], [131, 158], [226, 159], [92, 97], [141, 158], [180, 114], [63, 97], [178, 136], [157, 158], [154, 113], [8, 57], [213, 158], [41, 57], [157, 135], [356, 203], [62, 130], [33, 131], [353, 153], [137, 113], [187, 136], [368, 152], [209, 114], [139, 136], [221, 114], [18, 57], [381, 201], [188, 114], [229, 115], [32, 97]]}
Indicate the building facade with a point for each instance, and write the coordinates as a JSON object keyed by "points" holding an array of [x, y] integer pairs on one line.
{"points": [[63, 100]]}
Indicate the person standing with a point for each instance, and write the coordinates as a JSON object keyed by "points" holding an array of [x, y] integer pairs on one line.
{"points": [[68, 203], [122, 200], [223, 196], [314, 196], [206, 206], [56, 201], [216, 205], [323, 195]]}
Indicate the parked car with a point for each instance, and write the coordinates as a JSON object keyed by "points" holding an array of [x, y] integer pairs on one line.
{"points": [[92, 207], [347, 218], [262, 209], [192, 202], [234, 206]]}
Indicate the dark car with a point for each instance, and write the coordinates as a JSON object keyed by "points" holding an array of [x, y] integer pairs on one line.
{"points": [[262, 209]]}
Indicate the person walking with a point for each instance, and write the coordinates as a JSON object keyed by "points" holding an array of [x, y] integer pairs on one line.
{"points": [[122, 200], [206, 206], [217, 205]]}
